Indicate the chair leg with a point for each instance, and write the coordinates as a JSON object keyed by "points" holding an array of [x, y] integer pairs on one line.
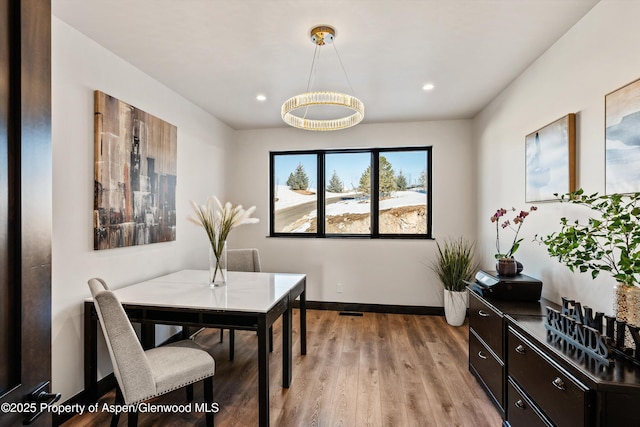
{"points": [[195, 334], [221, 334], [189, 389], [133, 419], [208, 398], [119, 401], [232, 343], [185, 333]]}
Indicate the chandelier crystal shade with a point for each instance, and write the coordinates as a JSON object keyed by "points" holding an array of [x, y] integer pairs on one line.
{"points": [[320, 36]]}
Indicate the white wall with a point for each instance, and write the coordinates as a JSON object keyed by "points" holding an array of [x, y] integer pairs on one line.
{"points": [[371, 271], [597, 56], [79, 67]]}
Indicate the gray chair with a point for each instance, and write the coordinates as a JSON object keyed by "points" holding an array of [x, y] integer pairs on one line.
{"points": [[140, 374], [243, 260]]}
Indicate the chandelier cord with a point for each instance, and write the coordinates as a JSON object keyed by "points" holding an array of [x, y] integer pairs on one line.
{"points": [[312, 75], [316, 56], [343, 69]]}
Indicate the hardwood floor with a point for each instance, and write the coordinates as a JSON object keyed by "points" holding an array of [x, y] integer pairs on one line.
{"points": [[373, 370]]}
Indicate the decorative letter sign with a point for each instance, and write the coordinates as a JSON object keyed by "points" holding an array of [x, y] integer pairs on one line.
{"points": [[579, 329]]}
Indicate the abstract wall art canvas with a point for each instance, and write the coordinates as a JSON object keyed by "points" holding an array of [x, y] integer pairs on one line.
{"points": [[622, 139], [135, 176], [550, 160]]}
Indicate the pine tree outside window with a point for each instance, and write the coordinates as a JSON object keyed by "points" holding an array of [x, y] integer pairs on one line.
{"points": [[335, 184]]}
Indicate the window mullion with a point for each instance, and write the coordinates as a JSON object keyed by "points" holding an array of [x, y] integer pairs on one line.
{"points": [[428, 190], [272, 195], [375, 193], [320, 220]]}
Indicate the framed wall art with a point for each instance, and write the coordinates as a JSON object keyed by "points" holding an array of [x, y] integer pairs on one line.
{"points": [[135, 176], [550, 165], [622, 139]]}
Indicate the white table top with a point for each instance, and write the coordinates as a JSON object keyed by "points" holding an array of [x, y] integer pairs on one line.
{"points": [[250, 292]]}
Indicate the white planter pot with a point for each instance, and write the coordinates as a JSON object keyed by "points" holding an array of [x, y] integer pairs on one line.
{"points": [[455, 306]]}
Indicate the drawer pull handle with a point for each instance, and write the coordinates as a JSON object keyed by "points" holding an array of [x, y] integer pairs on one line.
{"points": [[559, 384], [483, 313], [520, 349], [481, 355], [519, 404]]}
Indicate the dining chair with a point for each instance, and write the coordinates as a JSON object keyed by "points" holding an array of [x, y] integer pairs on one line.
{"points": [[243, 260], [140, 374]]}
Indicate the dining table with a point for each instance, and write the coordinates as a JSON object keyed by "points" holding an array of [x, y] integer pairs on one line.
{"points": [[248, 301]]}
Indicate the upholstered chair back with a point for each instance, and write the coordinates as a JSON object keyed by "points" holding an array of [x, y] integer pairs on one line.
{"points": [[130, 365], [243, 260]]}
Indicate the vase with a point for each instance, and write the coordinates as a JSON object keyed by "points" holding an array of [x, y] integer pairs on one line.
{"points": [[507, 267], [519, 267], [218, 266], [455, 306], [626, 307]]}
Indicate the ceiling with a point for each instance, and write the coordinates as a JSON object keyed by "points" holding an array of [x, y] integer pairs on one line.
{"points": [[220, 54]]}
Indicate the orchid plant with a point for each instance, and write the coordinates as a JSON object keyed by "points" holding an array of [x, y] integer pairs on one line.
{"points": [[218, 221], [518, 220]]}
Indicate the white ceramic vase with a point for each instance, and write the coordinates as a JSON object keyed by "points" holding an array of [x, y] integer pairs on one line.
{"points": [[455, 306]]}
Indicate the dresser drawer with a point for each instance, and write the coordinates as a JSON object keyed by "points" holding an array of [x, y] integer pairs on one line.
{"points": [[520, 411], [559, 396], [490, 370], [487, 323]]}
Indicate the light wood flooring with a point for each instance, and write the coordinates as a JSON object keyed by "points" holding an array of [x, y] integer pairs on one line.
{"points": [[373, 370]]}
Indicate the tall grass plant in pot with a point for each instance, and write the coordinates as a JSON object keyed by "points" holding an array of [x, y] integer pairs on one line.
{"points": [[455, 263]]}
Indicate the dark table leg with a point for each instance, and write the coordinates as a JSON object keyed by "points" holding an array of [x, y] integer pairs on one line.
{"points": [[286, 345], [303, 320], [148, 332], [185, 333], [263, 372], [90, 353]]}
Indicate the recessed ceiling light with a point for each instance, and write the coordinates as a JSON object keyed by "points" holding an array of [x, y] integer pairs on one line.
{"points": [[261, 97], [428, 86]]}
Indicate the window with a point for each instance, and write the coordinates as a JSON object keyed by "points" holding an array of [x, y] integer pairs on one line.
{"points": [[347, 200], [373, 193], [294, 181]]}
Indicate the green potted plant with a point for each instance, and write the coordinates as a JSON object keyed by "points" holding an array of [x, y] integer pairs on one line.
{"points": [[454, 264], [608, 242]]}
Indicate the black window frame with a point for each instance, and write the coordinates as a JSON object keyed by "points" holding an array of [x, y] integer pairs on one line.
{"points": [[375, 193]]}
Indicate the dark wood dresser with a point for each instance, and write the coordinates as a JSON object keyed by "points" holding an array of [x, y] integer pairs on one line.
{"points": [[533, 382]]}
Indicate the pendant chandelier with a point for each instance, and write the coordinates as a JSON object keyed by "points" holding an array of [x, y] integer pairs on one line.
{"points": [[320, 36]]}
